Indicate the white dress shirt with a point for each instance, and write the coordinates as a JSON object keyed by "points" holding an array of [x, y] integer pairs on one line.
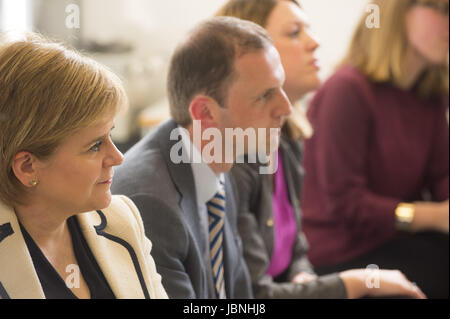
{"points": [[207, 183]]}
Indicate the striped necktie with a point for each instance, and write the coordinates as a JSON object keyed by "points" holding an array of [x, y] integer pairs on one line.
{"points": [[216, 214]]}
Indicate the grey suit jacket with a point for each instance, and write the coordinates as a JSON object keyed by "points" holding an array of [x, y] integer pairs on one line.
{"points": [[256, 227], [165, 194]]}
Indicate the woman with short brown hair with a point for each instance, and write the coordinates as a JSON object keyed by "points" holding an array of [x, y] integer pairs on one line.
{"points": [[62, 234]]}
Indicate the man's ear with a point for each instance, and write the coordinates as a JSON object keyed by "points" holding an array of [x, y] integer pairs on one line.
{"points": [[24, 167], [203, 108]]}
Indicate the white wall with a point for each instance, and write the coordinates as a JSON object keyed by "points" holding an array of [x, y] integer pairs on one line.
{"points": [[165, 22], [154, 27]]}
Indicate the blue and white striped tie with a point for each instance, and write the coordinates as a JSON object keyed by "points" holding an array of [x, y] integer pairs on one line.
{"points": [[216, 214]]}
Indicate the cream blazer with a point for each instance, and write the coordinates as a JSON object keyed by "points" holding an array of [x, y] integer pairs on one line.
{"points": [[116, 238]]}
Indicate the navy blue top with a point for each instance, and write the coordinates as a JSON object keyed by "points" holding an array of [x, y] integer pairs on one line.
{"points": [[53, 285]]}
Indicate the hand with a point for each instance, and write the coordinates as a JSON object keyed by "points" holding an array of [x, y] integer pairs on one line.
{"points": [[304, 277], [394, 283], [379, 283]]}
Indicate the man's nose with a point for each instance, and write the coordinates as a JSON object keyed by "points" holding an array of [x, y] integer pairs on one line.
{"points": [[284, 106]]}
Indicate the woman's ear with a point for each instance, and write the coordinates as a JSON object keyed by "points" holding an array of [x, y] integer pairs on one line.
{"points": [[203, 109], [24, 167]]}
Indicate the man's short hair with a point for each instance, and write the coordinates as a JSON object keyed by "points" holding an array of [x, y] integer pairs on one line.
{"points": [[204, 62]]}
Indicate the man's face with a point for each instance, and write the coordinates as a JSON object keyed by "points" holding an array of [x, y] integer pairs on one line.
{"points": [[256, 99]]}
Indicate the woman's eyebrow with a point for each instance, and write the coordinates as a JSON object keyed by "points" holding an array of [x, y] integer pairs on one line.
{"points": [[99, 138]]}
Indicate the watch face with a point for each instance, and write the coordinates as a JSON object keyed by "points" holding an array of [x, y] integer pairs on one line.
{"points": [[405, 215]]}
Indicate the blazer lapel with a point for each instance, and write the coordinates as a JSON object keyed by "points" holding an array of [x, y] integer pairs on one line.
{"points": [[121, 276], [18, 279], [290, 165]]}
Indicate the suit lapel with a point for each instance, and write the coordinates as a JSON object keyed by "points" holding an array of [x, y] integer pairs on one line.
{"points": [[230, 248], [18, 278], [183, 178], [121, 276]]}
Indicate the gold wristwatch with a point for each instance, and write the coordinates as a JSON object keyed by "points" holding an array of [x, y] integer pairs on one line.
{"points": [[404, 214]]}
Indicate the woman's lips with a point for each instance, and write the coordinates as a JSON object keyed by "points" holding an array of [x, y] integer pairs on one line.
{"points": [[108, 181], [315, 64]]}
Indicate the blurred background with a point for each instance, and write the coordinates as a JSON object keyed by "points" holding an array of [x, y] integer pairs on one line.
{"points": [[136, 38]]}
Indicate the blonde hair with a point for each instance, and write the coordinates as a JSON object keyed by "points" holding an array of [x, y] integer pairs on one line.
{"points": [[379, 52], [48, 92], [297, 125]]}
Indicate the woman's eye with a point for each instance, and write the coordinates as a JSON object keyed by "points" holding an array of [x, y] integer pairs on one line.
{"points": [[294, 34], [96, 147]]}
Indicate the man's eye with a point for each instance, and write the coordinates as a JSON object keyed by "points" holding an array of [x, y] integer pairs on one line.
{"points": [[267, 95]]}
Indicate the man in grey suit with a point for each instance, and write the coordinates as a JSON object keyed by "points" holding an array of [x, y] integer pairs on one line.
{"points": [[225, 75]]}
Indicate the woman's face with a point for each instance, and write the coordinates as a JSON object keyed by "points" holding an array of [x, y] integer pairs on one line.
{"points": [[427, 30], [79, 175], [289, 28]]}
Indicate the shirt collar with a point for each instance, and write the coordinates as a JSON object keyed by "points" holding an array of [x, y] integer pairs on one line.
{"points": [[207, 183]]}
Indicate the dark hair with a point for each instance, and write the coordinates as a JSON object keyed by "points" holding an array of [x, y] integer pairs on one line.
{"points": [[204, 62]]}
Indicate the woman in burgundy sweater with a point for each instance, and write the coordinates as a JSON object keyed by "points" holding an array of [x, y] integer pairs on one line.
{"points": [[376, 185]]}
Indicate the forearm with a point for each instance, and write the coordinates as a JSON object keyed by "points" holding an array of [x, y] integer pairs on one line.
{"points": [[367, 212], [324, 287], [430, 216], [300, 262]]}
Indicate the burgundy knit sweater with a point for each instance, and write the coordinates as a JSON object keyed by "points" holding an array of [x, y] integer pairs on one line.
{"points": [[374, 146]]}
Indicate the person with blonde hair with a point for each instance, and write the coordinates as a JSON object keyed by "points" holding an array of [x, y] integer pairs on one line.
{"points": [[62, 234], [269, 218], [376, 186]]}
